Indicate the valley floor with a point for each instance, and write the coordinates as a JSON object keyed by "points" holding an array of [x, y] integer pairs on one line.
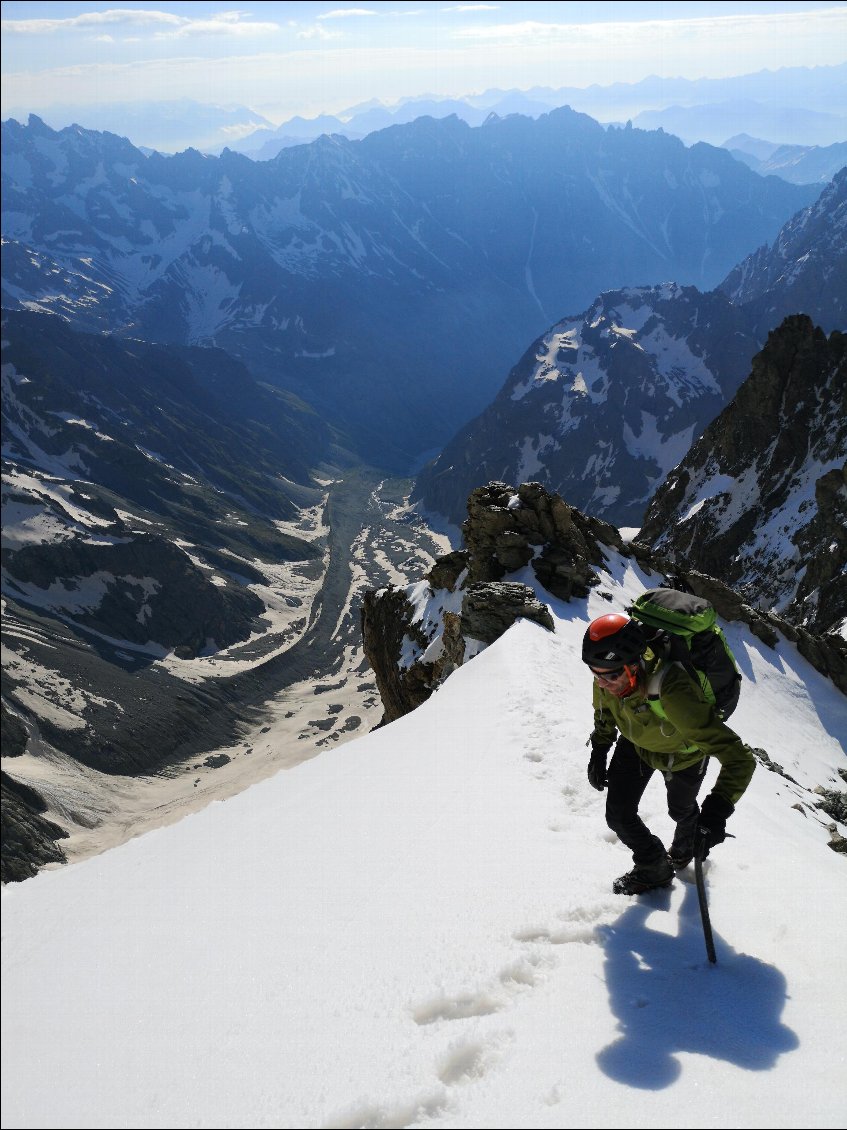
{"points": [[302, 696]]}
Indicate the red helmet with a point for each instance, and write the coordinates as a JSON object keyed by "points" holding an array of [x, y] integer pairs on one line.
{"points": [[612, 641]]}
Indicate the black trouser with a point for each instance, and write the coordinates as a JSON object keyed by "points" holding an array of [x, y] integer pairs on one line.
{"points": [[627, 779]]}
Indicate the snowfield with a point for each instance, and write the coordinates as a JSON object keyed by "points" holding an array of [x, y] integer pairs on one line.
{"points": [[417, 929]]}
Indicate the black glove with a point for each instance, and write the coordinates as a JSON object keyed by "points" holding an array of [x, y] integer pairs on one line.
{"points": [[597, 766], [711, 824]]}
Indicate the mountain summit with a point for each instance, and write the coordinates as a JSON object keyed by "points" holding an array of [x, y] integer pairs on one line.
{"points": [[604, 404]]}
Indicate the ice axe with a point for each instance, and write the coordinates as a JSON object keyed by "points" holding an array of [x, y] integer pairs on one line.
{"points": [[700, 852]]}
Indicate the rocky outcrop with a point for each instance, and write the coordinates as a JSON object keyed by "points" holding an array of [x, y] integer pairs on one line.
{"points": [[509, 528], [27, 839], [760, 501], [387, 619], [490, 607], [414, 638]]}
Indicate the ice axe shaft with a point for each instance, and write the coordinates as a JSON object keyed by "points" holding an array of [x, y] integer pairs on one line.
{"points": [[704, 907]]}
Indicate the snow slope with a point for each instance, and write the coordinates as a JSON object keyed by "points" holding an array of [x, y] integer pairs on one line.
{"points": [[418, 930]]}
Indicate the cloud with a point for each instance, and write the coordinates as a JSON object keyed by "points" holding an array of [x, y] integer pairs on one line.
{"points": [[316, 31], [739, 24], [224, 23], [472, 8], [164, 25], [313, 77], [340, 13]]}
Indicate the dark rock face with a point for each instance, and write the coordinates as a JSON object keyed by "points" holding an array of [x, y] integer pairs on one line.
{"points": [[144, 421], [139, 482], [490, 607], [14, 733], [27, 839], [413, 647], [760, 501], [508, 528], [447, 570], [388, 616]]}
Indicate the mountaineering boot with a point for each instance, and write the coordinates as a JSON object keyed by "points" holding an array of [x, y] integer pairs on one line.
{"points": [[681, 851], [681, 854], [679, 860], [645, 877]]}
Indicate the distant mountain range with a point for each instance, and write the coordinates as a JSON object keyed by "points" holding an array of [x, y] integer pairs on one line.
{"points": [[800, 164], [794, 105], [714, 122], [779, 104], [166, 126], [365, 276], [710, 122]]}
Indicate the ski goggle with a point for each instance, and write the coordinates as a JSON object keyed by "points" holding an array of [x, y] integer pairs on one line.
{"points": [[607, 676], [612, 679]]}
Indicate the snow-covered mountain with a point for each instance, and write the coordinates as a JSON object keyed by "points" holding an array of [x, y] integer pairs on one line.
{"points": [[604, 404], [184, 541], [364, 276], [760, 500], [419, 930]]}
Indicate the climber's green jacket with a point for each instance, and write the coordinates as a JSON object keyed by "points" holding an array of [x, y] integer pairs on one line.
{"points": [[689, 731]]}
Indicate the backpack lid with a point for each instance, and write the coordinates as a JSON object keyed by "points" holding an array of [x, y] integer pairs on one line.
{"points": [[681, 613]]}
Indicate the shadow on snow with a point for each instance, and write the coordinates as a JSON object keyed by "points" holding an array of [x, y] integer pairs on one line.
{"points": [[669, 999]]}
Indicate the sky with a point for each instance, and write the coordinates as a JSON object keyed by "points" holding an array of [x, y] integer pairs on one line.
{"points": [[417, 929], [282, 59]]}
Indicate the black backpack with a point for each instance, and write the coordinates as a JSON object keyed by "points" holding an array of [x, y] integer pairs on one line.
{"points": [[682, 628]]}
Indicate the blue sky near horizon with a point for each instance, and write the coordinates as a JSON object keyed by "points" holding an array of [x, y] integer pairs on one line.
{"points": [[308, 58]]}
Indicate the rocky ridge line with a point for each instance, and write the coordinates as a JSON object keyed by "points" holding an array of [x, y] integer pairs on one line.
{"points": [[414, 638]]}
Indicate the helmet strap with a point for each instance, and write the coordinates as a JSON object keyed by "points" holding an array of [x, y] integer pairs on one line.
{"points": [[632, 671]]}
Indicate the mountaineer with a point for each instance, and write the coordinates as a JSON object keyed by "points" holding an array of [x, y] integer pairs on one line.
{"points": [[658, 718]]}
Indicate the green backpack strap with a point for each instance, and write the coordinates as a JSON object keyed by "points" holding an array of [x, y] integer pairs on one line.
{"points": [[654, 693]]}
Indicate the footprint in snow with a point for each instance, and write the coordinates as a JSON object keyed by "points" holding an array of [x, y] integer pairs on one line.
{"points": [[513, 979], [376, 1116]]}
